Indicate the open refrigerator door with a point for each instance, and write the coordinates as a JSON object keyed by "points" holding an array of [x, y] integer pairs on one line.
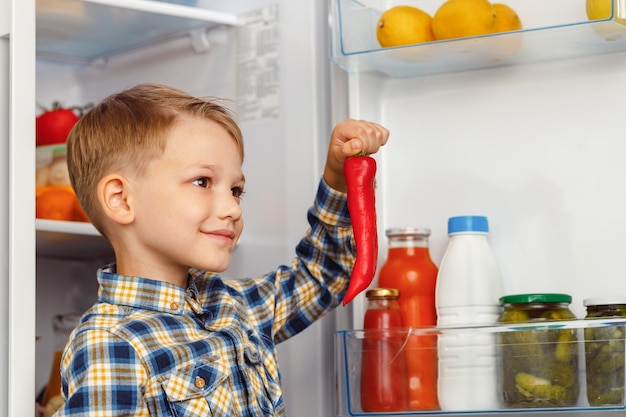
{"points": [[531, 139]]}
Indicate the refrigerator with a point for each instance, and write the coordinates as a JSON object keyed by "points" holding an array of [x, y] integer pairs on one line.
{"points": [[531, 140]]}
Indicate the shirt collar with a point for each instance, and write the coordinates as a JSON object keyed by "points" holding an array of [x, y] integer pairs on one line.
{"points": [[144, 293]]}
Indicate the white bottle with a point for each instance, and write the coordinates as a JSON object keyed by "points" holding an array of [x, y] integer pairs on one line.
{"points": [[467, 294]]}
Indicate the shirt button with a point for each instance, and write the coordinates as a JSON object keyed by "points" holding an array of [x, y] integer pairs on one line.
{"points": [[174, 305], [200, 382]]}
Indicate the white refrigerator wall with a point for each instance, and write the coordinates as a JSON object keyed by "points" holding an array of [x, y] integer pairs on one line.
{"points": [[4, 204], [284, 151], [17, 94]]}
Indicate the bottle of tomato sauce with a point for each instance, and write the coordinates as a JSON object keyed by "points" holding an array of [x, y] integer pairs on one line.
{"points": [[383, 365], [410, 269]]}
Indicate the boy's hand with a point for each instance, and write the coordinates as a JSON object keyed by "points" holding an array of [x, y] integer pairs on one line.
{"points": [[349, 138]]}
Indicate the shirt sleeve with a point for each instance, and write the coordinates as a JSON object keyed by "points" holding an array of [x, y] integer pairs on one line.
{"points": [[102, 376], [316, 280]]}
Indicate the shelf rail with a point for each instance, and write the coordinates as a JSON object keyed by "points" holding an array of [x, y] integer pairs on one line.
{"points": [[171, 9]]}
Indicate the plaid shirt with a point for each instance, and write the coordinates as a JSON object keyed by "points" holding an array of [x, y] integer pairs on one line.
{"points": [[150, 348]]}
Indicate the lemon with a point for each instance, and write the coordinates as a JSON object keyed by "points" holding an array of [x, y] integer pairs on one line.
{"points": [[462, 18], [506, 18], [601, 9], [404, 25], [500, 48]]}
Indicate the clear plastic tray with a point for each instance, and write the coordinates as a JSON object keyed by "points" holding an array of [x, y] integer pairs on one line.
{"points": [[552, 29], [530, 344]]}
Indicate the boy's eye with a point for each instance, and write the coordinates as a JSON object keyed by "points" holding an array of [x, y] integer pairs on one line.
{"points": [[237, 192], [202, 182]]}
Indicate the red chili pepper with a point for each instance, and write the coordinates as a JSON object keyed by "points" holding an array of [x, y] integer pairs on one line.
{"points": [[360, 172]]}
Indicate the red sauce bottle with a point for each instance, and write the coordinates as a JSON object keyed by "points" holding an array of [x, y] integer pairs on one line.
{"points": [[410, 269], [383, 366]]}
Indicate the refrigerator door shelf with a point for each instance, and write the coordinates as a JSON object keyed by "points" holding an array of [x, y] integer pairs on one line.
{"points": [[551, 30], [535, 356]]}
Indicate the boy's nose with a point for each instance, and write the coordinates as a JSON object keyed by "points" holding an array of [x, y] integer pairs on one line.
{"points": [[230, 207]]}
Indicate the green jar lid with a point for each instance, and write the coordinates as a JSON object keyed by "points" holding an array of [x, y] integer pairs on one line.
{"points": [[536, 298]]}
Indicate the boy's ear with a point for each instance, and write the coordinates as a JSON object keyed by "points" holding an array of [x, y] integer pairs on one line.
{"points": [[113, 197]]}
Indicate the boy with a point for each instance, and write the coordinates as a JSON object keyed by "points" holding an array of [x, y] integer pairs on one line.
{"points": [[159, 174]]}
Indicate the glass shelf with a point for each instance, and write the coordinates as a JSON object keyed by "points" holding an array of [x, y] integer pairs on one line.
{"points": [[553, 29], [73, 240], [90, 30], [537, 350]]}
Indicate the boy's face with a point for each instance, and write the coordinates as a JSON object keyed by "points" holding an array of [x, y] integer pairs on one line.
{"points": [[187, 202]]}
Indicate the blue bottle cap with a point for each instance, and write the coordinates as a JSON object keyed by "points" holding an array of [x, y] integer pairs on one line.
{"points": [[468, 224]]}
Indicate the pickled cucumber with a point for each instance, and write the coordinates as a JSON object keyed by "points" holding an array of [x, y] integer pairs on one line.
{"points": [[604, 358], [566, 346], [539, 391]]}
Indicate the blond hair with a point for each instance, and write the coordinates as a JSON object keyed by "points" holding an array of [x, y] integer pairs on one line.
{"points": [[127, 130]]}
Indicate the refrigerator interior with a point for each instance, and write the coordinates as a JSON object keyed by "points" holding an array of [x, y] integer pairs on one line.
{"points": [[536, 148], [273, 75], [524, 128]]}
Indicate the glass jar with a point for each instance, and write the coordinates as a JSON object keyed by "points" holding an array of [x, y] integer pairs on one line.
{"points": [[604, 352], [410, 269], [62, 325], [538, 366], [383, 362]]}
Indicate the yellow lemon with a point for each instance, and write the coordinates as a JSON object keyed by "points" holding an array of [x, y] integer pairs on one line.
{"points": [[404, 25], [598, 9], [506, 18], [499, 48], [601, 9], [462, 18]]}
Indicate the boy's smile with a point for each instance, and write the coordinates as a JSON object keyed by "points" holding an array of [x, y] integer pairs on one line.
{"points": [[186, 206]]}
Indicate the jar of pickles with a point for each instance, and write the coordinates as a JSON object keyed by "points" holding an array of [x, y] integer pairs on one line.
{"points": [[537, 365], [604, 352]]}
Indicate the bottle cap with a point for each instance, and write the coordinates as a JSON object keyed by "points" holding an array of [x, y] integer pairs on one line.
{"points": [[468, 224], [605, 301], [408, 231], [382, 293], [535, 298]]}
